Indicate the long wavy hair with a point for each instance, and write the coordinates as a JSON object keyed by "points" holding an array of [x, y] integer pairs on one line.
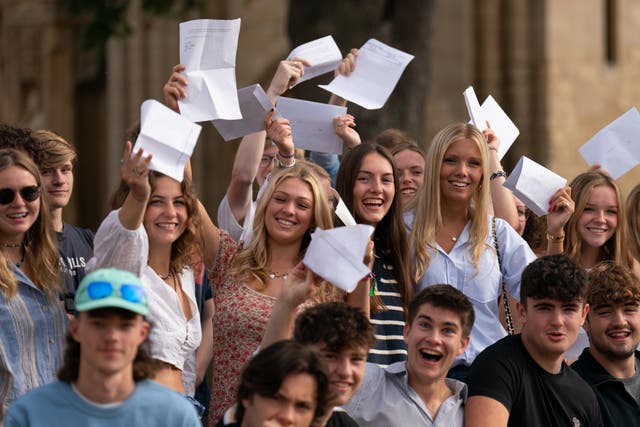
{"points": [[389, 235], [428, 217], [616, 248], [252, 262], [187, 249], [39, 241], [632, 221]]}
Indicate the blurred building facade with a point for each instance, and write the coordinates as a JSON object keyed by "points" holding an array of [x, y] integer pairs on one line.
{"points": [[560, 69]]}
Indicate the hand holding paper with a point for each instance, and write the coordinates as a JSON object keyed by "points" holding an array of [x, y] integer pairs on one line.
{"points": [[615, 147], [491, 112], [378, 71], [336, 254], [534, 185], [168, 136], [322, 54]]}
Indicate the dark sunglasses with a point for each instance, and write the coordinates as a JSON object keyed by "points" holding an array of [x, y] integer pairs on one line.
{"points": [[100, 290], [28, 194]]}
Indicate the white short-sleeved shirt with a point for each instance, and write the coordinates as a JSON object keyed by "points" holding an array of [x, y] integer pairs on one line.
{"points": [[173, 337], [226, 221], [483, 286]]}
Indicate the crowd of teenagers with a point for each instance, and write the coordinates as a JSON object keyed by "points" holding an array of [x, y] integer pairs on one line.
{"points": [[476, 311]]}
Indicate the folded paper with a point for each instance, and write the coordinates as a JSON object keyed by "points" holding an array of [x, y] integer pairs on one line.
{"points": [[254, 106]]}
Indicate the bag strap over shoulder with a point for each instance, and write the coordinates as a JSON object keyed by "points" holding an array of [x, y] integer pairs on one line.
{"points": [[507, 307]]}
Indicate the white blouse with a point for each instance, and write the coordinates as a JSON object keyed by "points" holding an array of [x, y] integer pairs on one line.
{"points": [[173, 337]]}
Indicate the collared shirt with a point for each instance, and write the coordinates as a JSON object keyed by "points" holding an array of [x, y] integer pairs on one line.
{"points": [[483, 286], [32, 337], [385, 399]]}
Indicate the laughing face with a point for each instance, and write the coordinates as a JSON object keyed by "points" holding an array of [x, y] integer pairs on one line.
{"points": [[17, 217], [599, 220], [461, 171], [289, 213], [410, 166], [614, 330], [166, 215], [434, 339], [374, 189]]}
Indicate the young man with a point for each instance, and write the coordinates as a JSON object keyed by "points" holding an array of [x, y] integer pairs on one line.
{"points": [[341, 334], [522, 380], [417, 392], [611, 365], [103, 380], [283, 385], [55, 157]]}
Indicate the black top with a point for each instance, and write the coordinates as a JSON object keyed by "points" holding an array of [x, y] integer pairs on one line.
{"points": [[534, 397], [618, 407]]}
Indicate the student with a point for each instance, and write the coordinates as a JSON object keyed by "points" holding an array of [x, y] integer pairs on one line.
{"points": [[283, 385], [32, 322], [611, 363], [104, 377], [55, 157], [341, 334], [416, 392], [522, 380]]}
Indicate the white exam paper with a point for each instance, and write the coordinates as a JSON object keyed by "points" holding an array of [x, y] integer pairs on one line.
{"points": [[490, 111], [615, 147], [312, 124], [254, 106], [534, 185], [378, 69], [168, 136], [337, 254], [323, 54], [208, 52], [342, 212]]}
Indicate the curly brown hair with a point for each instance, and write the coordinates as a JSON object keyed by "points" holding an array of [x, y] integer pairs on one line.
{"points": [[612, 284]]}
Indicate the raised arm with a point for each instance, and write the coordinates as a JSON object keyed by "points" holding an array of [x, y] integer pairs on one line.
{"points": [[501, 197], [175, 88], [345, 68], [135, 173], [297, 289], [561, 207]]}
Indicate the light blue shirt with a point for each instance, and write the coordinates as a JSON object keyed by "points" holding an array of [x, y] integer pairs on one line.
{"points": [[484, 285], [32, 337], [385, 399], [57, 404]]}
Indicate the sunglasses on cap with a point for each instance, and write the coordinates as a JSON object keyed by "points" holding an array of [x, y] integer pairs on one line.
{"points": [[28, 194], [100, 290]]}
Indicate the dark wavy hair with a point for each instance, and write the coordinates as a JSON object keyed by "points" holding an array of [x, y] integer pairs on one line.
{"points": [[144, 366], [265, 373], [390, 236], [557, 277], [447, 297]]}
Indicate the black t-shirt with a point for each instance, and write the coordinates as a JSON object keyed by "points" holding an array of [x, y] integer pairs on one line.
{"points": [[75, 246], [339, 418], [534, 397]]}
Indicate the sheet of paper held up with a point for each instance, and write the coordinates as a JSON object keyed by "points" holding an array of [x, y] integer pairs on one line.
{"points": [[254, 106], [323, 54], [208, 52], [491, 111], [337, 254], [342, 212], [167, 135], [312, 124], [616, 147], [378, 69], [534, 185]]}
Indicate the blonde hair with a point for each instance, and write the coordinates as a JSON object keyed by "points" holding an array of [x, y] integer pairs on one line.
{"points": [[614, 249], [51, 150], [428, 218], [252, 262], [39, 240]]}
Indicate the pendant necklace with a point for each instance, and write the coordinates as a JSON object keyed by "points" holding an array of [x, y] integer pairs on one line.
{"points": [[275, 275]]}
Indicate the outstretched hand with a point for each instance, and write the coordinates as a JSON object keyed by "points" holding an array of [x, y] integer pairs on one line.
{"points": [[135, 172], [344, 128], [279, 131], [287, 74], [175, 88]]}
